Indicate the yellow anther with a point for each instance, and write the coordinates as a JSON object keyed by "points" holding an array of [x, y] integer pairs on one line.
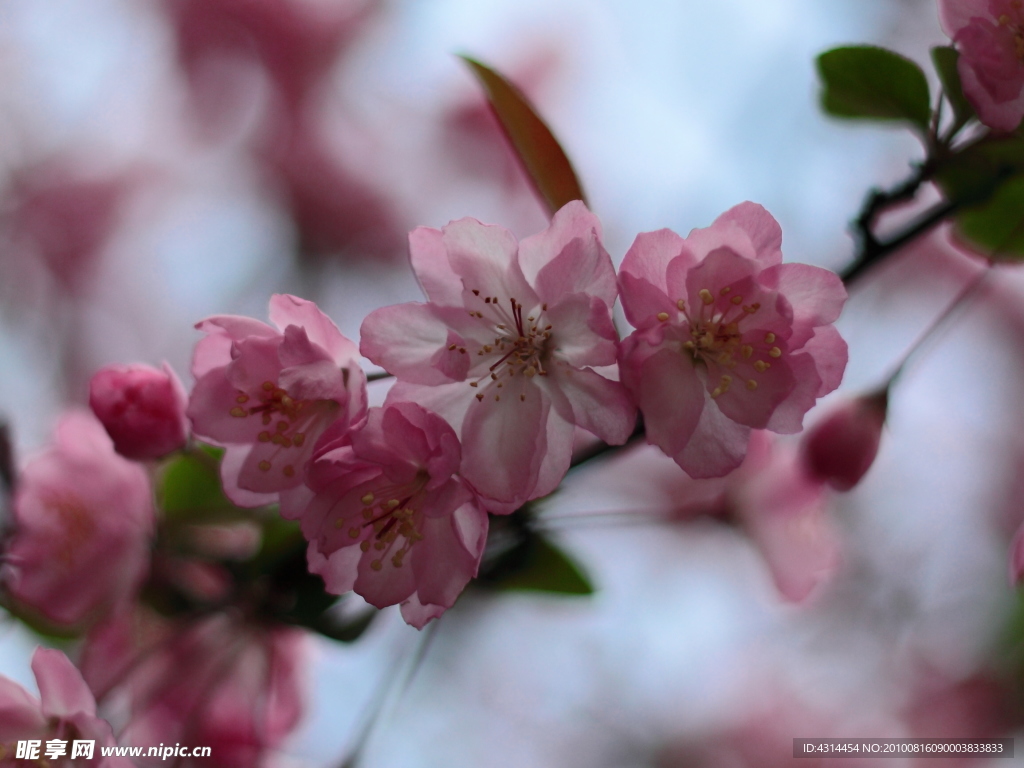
{"points": [[726, 290], [289, 470], [761, 366], [705, 296], [267, 386], [452, 347], [737, 300], [238, 413], [497, 398], [663, 316], [367, 499], [365, 545], [716, 392], [376, 565], [530, 372], [775, 352], [392, 503], [282, 426], [353, 533], [689, 346], [277, 439], [751, 385], [264, 437], [265, 465], [339, 523], [243, 398], [769, 338], [746, 350], [480, 396], [681, 305], [298, 439]]}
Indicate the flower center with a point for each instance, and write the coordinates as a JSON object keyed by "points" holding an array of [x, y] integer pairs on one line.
{"points": [[389, 513], [521, 345], [77, 521], [1013, 24], [715, 337]]}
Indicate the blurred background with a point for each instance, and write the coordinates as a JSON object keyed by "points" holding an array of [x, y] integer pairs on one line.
{"points": [[168, 160]]}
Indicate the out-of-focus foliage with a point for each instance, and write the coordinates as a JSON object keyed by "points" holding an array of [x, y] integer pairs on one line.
{"points": [[873, 83]]}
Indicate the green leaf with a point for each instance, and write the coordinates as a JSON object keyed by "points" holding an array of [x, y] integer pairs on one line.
{"points": [[945, 58], [972, 175], [190, 488], [873, 83], [537, 565], [996, 228], [542, 157]]}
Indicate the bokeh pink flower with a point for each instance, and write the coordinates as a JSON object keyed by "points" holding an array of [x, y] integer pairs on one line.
{"points": [[841, 448], [217, 681], [506, 347], [268, 394], [728, 338], [83, 523]]}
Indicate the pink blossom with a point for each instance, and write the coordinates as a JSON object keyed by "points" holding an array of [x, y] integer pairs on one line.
{"points": [[220, 682], [142, 409], [270, 394], [293, 42], [990, 37], [83, 524], [65, 710], [842, 446], [506, 346], [728, 338], [391, 519]]}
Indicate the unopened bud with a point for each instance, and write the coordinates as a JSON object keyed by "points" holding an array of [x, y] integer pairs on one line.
{"points": [[1017, 558], [840, 448], [142, 409]]}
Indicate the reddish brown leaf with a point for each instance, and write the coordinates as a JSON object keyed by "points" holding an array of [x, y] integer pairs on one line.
{"points": [[539, 152]]}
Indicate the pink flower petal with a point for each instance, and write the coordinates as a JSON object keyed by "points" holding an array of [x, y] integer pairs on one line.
{"points": [[414, 342], [717, 446], [584, 333], [761, 227], [441, 563], [598, 405], [418, 615], [430, 263], [503, 439], [484, 257], [288, 310], [568, 257], [62, 690]]}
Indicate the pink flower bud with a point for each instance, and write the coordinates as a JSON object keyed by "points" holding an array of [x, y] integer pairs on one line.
{"points": [[1017, 558], [142, 409], [840, 448]]}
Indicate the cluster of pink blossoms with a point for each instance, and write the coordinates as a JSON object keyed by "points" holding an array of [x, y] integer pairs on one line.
{"points": [[514, 351], [511, 359]]}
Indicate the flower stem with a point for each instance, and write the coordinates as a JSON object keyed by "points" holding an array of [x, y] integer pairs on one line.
{"points": [[958, 303]]}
